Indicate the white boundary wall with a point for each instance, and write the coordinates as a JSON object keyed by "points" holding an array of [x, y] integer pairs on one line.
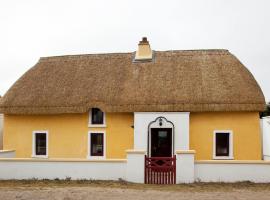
{"points": [[42, 169], [204, 171], [253, 171]]}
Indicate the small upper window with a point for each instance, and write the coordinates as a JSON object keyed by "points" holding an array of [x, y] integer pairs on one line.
{"points": [[40, 144], [97, 117], [223, 146]]}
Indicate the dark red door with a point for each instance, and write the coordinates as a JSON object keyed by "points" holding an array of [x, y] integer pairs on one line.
{"points": [[161, 142]]}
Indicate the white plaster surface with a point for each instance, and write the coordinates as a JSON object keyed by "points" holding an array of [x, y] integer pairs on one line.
{"points": [[7, 153], [133, 170], [232, 172], [135, 167], [184, 168], [179, 119], [265, 128], [61, 169]]}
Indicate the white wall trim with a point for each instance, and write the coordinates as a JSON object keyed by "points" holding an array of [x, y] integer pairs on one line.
{"points": [[230, 157], [90, 125], [34, 144], [89, 146]]}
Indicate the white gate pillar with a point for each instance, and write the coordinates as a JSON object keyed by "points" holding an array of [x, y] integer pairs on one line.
{"points": [[135, 166], [185, 166]]}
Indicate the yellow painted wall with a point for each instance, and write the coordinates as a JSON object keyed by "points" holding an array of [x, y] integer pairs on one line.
{"points": [[68, 134], [246, 133]]}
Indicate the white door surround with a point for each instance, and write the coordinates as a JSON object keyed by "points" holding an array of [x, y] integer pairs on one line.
{"points": [[179, 121], [162, 123]]}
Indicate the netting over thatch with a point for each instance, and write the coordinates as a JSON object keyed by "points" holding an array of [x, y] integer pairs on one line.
{"points": [[198, 80]]}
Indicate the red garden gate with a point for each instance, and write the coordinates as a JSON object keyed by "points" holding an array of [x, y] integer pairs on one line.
{"points": [[160, 170]]}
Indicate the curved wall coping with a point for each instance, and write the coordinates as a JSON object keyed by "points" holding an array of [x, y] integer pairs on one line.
{"points": [[6, 151], [60, 160], [133, 151], [232, 162], [185, 151]]}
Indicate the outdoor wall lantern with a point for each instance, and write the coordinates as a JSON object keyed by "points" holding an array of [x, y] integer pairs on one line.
{"points": [[160, 122]]}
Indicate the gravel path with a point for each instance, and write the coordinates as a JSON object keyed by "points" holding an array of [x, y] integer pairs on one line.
{"points": [[81, 193]]}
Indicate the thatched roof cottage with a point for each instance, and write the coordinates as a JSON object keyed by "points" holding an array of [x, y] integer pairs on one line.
{"points": [[161, 103]]}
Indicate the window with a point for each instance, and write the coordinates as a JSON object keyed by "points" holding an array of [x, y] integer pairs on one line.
{"points": [[96, 145], [223, 146], [97, 118], [40, 144]]}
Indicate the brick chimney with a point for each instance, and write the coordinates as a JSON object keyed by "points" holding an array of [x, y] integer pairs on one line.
{"points": [[144, 51]]}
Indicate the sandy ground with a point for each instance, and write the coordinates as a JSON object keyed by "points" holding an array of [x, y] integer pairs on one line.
{"points": [[79, 193], [141, 192]]}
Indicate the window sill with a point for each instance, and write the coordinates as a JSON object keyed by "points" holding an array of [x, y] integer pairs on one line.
{"points": [[96, 157], [97, 125], [40, 156], [223, 158]]}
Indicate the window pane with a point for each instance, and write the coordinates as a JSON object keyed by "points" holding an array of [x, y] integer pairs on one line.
{"points": [[97, 116], [96, 144], [222, 144], [41, 144]]}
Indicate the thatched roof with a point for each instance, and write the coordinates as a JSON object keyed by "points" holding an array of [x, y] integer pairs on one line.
{"points": [[193, 80]]}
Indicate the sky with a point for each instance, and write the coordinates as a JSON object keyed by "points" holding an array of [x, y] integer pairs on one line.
{"points": [[31, 29]]}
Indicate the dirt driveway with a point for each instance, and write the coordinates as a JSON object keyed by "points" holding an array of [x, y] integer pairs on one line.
{"points": [[117, 190]]}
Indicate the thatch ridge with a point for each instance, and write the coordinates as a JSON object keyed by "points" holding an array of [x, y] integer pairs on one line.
{"points": [[191, 52], [176, 80]]}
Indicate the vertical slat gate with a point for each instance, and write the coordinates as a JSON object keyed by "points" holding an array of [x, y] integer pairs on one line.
{"points": [[160, 170]]}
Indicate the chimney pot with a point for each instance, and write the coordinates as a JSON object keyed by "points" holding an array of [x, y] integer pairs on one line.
{"points": [[144, 51]]}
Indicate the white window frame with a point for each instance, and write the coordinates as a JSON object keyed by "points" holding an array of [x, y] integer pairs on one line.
{"points": [[89, 146], [230, 157], [96, 125], [34, 144]]}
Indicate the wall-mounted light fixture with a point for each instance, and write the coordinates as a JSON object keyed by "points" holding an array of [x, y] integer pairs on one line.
{"points": [[160, 122]]}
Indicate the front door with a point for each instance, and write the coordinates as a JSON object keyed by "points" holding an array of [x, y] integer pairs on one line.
{"points": [[161, 142]]}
